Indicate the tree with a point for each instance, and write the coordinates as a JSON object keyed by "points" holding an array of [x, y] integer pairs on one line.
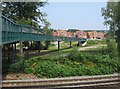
{"points": [[24, 12], [112, 19], [28, 13], [48, 31]]}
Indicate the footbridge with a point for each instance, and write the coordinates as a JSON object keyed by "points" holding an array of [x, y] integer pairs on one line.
{"points": [[12, 33]]}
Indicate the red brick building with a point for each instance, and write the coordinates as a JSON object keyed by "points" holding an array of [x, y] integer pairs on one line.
{"points": [[100, 35], [80, 34]]}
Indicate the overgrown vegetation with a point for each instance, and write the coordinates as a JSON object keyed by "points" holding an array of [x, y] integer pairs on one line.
{"points": [[72, 64], [18, 66], [13, 65], [96, 42]]}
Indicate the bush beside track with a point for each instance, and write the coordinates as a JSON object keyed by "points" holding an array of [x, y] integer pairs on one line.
{"points": [[72, 64]]}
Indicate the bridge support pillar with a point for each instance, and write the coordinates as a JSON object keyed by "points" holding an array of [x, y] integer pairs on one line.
{"points": [[8, 51], [0, 62], [3, 53], [78, 43], [58, 45], [31, 44], [21, 48], [70, 44], [39, 46], [14, 53], [12, 56]]}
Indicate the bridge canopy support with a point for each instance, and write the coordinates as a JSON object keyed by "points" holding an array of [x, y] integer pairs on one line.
{"points": [[31, 44], [8, 51], [0, 63], [78, 43], [70, 44], [14, 53], [3, 53], [39, 46], [58, 45], [21, 48]]}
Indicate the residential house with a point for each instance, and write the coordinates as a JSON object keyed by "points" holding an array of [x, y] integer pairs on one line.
{"points": [[92, 35], [55, 33], [61, 32], [100, 35], [69, 34], [81, 34]]}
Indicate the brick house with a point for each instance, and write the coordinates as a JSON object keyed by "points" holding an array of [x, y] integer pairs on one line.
{"points": [[61, 32], [95, 35], [55, 33], [81, 34], [100, 35], [92, 35], [69, 34]]}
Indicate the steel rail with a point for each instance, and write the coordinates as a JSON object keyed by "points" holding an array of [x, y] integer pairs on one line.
{"points": [[85, 81]]}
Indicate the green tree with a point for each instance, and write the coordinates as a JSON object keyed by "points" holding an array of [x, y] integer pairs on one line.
{"points": [[28, 13], [111, 15], [48, 31], [24, 12]]}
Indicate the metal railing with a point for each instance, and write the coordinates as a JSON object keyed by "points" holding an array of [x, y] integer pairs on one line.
{"points": [[12, 32]]}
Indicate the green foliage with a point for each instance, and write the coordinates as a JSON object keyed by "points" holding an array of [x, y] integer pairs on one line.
{"points": [[51, 45], [20, 10], [46, 30], [111, 15], [24, 12], [27, 22], [96, 42], [18, 65], [112, 47], [72, 30], [72, 64]]}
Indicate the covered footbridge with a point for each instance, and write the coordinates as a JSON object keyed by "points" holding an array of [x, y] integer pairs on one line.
{"points": [[12, 33]]}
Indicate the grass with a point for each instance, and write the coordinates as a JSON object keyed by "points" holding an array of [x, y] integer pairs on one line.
{"points": [[65, 46], [95, 42], [100, 49]]}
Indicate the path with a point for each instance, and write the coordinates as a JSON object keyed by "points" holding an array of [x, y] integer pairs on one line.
{"points": [[89, 47], [32, 54]]}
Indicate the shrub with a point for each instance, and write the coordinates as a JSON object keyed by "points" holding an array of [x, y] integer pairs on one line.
{"points": [[18, 65], [73, 64]]}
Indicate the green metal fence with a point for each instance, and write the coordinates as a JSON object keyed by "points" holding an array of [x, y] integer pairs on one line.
{"points": [[12, 32]]}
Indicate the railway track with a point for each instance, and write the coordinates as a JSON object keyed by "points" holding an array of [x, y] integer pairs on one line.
{"points": [[70, 82]]}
